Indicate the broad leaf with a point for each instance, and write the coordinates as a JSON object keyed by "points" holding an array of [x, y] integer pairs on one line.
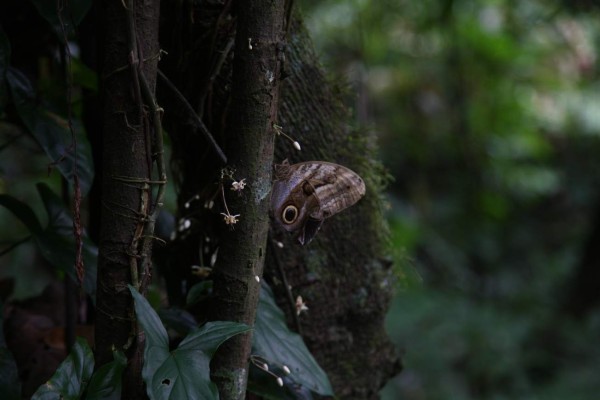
{"points": [[56, 242], [276, 343], [23, 212], [72, 12], [71, 378], [199, 292], [52, 132], [179, 320], [106, 382], [10, 386], [84, 76], [183, 373]]}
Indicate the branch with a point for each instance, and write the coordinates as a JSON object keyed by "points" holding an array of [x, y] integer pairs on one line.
{"points": [[193, 117]]}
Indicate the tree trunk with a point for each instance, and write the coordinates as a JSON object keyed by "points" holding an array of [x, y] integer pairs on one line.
{"points": [[249, 146], [344, 274], [131, 54]]}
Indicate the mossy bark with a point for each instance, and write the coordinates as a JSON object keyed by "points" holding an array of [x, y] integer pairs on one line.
{"points": [[344, 274]]}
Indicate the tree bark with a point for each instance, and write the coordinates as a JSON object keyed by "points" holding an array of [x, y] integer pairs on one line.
{"points": [[344, 274], [131, 53], [249, 146]]}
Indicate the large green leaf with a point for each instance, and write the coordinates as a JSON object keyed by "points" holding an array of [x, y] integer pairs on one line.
{"points": [[56, 241], [10, 387], [52, 132], [183, 373], [106, 382], [70, 379], [72, 13], [23, 212], [279, 346]]}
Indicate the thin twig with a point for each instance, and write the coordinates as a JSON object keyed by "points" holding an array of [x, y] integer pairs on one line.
{"points": [[213, 76], [194, 117], [77, 226]]}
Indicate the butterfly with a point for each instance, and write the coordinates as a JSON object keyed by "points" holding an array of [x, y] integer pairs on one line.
{"points": [[307, 193]]}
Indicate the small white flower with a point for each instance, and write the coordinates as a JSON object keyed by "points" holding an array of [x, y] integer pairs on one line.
{"points": [[249, 43], [238, 186], [201, 271], [257, 278], [286, 370], [230, 219], [297, 146], [279, 244], [280, 381], [300, 305]]}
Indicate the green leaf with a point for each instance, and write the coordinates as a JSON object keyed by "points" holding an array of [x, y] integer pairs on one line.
{"points": [[212, 335], [276, 343], [10, 386], [52, 132], [70, 379], [199, 292], [23, 212], [73, 13], [179, 320], [57, 243], [106, 382], [183, 373], [84, 76]]}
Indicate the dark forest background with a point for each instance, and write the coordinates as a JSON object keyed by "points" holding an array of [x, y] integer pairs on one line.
{"points": [[487, 120]]}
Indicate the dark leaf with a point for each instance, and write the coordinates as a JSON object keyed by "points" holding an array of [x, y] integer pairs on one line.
{"points": [[180, 320], [183, 373], [199, 292], [106, 382], [72, 375], [84, 76], [276, 343], [52, 132], [23, 212], [72, 13]]}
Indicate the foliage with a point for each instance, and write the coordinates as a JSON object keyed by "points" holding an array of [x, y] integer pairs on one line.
{"points": [[55, 242], [279, 347], [183, 372], [487, 118], [44, 146], [274, 345], [74, 377]]}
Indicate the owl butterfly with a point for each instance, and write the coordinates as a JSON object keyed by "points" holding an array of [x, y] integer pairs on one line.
{"points": [[307, 193]]}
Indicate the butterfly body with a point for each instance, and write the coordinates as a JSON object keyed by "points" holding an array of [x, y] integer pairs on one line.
{"points": [[307, 193]]}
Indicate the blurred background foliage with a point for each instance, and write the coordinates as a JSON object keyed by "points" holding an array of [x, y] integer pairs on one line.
{"points": [[488, 118]]}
